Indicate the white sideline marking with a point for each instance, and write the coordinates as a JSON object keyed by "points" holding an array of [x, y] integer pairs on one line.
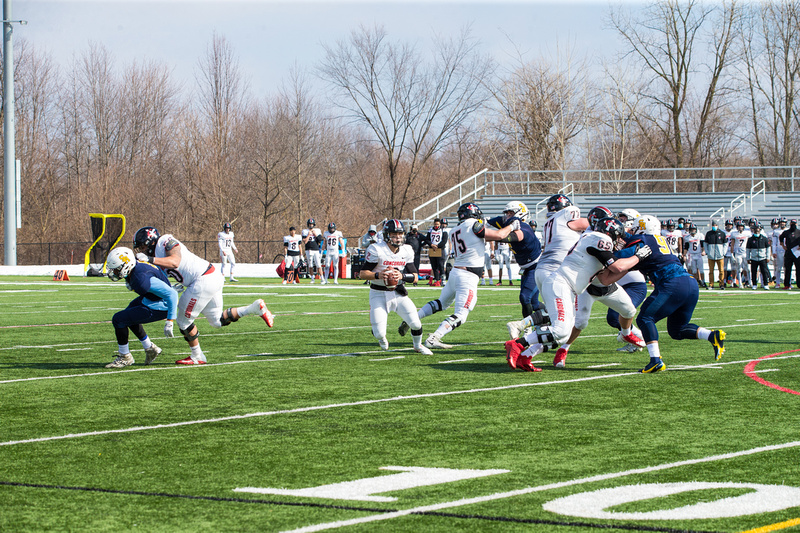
{"points": [[348, 404], [389, 358], [453, 361], [540, 488], [765, 370], [603, 366]]}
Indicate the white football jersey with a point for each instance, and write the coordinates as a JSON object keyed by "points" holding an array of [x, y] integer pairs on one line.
{"points": [[292, 244], [558, 238], [739, 239], [727, 242], [225, 241], [332, 241], [466, 247], [190, 268], [580, 267], [691, 244], [775, 236], [672, 238], [381, 254]]}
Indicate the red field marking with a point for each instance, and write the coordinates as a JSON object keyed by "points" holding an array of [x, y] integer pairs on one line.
{"points": [[751, 366]]}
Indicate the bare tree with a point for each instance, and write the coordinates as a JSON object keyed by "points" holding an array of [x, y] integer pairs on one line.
{"points": [[411, 107], [665, 41]]}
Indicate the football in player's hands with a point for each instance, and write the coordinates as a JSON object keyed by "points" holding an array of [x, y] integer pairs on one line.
{"points": [[391, 277]]}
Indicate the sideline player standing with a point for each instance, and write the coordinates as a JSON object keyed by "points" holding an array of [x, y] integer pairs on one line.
{"points": [[312, 239], [157, 301], [467, 244], [738, 244], [674, 296], [226, 249], [388, 266], [203, 293], [333, 247], [693, 255], [291, 245]]}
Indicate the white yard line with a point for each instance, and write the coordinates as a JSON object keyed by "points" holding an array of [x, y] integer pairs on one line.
{"points": [[349, 404], [540, 488]]}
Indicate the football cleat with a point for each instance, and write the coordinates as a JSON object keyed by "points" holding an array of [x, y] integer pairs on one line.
{"points": [[435, 342], [632, 338], [403, 329], [513, 352], [525, 363], [630, 348], [516, 328], [121, 361], [717, 340], [268, 317], [655, 365], [423, 350], [190, 361], [234, 280], [151, 353], [559, 361], [383, 343]]}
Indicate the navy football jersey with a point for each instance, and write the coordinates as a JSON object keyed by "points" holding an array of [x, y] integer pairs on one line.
{"points": [[662, 264], [526, 251], [152, 284]]}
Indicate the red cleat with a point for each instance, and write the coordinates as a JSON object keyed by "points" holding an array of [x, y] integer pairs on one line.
{"points": [[189, 361], [632, 338], [268, 317], [513, 351], [524, 363], [559, 361]]}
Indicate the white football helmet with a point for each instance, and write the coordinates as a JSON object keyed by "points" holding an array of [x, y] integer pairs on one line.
{"points": [[647, 225], [120, 263], [518, 209], [630, 215]]}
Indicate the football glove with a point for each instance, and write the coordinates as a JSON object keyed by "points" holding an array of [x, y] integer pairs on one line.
{"points": [[142, 257], [643, 252], [168, 329]]}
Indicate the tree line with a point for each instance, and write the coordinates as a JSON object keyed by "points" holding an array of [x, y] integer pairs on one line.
{"points": [[395, 123]]}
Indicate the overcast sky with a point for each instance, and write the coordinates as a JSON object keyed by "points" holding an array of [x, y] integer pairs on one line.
{"points": [[269, 37]]}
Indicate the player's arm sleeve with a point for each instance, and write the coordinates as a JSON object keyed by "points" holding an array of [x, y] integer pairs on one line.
{"points": [[604, 256], [630, 249], [221, 243], [495, 222], [445, 235], [168, 294], [410, 269]]}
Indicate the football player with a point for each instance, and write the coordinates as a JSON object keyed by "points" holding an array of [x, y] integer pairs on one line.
{"points": [[226, 249], [467, 243], [157, 300], [526, 249], [778, 253], [738, 245], [388, 266], [592, 253], [333, 248], [291, 245], [502, 252], [312, 239], [203, 288], [693, 255], [674, 237], [674, 296]]}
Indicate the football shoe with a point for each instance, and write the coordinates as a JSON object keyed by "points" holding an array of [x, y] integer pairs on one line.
{"points": [[435, 342], [151, 353], [513, 352], [632, 338], [383, 343], [121, 361], [630, 348], [560, 360], [655, 365], [525, 363], [268, 317], [190, 361], [516, 328], [423, 350], [717, 340]]}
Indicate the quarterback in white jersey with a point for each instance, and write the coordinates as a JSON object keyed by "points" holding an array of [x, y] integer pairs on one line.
{"points": [[388, 266], [203, 288], [226, 249], [333, 248], [592, 253], [467, 245]]}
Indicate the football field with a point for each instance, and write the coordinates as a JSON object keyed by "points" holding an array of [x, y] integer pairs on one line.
{"points": [[309, 426]]}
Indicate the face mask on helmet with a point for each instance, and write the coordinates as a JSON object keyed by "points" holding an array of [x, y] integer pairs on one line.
{"points": [[120, 263]]}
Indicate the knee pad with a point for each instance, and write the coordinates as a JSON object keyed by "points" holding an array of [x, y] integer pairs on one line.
{"points": [[540, 318], [435, 306], [416, 332], [545, 337], [187, 332], [454, 321], [227, 317]]}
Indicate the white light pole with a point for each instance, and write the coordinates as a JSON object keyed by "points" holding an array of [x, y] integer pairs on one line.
{"points": [[10, 154]]}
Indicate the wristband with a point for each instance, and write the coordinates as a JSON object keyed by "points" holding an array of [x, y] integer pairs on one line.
{"points": [[150, 259], [377, 276]]}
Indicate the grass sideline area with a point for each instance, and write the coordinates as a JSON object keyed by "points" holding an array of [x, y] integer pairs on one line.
{"points": [[314, 404]]}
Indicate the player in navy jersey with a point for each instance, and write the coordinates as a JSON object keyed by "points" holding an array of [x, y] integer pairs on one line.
{"points": [[674, 297], [157, 301], [526, 248]]}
